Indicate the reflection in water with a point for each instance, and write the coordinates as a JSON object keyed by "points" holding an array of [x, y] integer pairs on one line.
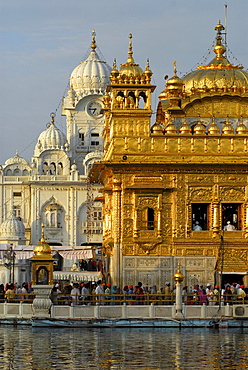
{"points": [[47, 348]]}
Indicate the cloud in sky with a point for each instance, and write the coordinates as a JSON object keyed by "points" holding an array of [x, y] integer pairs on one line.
{"points": [[43, 41]]}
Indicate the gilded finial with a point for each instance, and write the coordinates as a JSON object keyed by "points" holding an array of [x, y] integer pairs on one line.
{"points": [[130, 49], [114, 64], [42, 233], [52, 115], [147, 64], [219, 48], [178, 277], [93, 42], [175, 68]]}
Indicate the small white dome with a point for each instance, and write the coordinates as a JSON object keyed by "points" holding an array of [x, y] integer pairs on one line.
{"points": [[12, 228], [51, 138], [16, 160], [92, 75]]}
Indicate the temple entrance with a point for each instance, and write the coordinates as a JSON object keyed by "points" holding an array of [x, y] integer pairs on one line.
{"points": [[232, 278]]}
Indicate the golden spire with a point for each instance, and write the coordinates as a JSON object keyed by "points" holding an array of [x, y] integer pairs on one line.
{"points": [[43, 249], [175, 69], [219, 48], [130, 67], [220, 62], [130, 49], [93, 42], [178, 277], [52, 115]]}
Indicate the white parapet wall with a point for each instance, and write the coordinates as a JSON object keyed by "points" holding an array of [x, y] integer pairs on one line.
{"points": [[25, 311]]}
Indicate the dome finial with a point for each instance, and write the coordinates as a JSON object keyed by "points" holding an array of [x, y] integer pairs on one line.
{"points": [[42, 232], [52, 115], [130, 59], [93, 43], [175, 69], [219, 48], [130, 49]]}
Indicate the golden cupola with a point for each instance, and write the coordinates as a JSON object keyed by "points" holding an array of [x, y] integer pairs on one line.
{"points": [[130, 72], [130, 67], [43, 249], [219, 76]]}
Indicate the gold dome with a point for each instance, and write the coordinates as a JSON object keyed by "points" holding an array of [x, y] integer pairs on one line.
{"points": [[218, 74], [199, 129], [213, 129], [185, 129], [241, 129], [42, 249], [178, 277], [227, 129], [130, 68], [175, 83], [170, 129], [157, 129]]}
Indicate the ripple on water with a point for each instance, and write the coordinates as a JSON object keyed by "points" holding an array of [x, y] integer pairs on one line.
{"points": [[48, 348]]}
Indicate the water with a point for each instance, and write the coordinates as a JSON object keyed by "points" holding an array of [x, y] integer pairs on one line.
{"points": [[45, 348]]}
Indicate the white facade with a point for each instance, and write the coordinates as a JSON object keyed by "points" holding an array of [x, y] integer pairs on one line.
{"points": [[52, 189]]}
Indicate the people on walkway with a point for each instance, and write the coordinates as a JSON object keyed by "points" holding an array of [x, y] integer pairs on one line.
{"points": [[101, 293], [75, 294]]}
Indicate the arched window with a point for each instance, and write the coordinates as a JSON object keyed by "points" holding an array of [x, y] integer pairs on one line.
{"points": [[52, 169], [17, 172], [148, 219], [60, 169], [53, 215], [45, 168], [142, 100]]}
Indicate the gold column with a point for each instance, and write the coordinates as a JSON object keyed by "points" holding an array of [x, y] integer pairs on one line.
{"points": [[246, 219], [159, 216], [216, 218], [136, 226], [116, 220]]}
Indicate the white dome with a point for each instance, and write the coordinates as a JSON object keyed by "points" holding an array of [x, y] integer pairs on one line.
{"points": [[16, 160], [92, 75], [12, 228], [51, 138]]}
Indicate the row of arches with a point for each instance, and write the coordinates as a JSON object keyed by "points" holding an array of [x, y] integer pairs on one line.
{"points": [[16, 172], [131, 100], [52, 168]]}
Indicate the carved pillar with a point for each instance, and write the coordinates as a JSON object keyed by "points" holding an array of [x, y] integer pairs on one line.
{"points": [[136, 224], [159, 215], [246, 219], [117, 251], [216, 218]]}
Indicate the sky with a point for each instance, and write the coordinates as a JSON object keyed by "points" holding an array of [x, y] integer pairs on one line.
{"points": [[41, 42]]}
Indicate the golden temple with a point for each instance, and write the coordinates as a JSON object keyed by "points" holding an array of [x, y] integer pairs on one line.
{"points": [[171, 189]]}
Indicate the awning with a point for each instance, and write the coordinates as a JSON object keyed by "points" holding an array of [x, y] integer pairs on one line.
{"points": [[233, 272], [77, 275], [23, 252]]}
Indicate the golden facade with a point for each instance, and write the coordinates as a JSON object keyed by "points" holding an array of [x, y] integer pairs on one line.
{"points": [[188, 169]]}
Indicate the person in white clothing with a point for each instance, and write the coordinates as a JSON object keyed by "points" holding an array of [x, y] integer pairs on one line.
{"points": [[99, 290], [75, 293], [229, 227]]}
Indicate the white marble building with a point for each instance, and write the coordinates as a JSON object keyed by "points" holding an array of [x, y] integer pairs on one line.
{"points": [[52, 188]]}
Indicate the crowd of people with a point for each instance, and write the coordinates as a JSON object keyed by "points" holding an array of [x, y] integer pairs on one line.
{"points": [[74, 293], [92, 293], [16, 292]]}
